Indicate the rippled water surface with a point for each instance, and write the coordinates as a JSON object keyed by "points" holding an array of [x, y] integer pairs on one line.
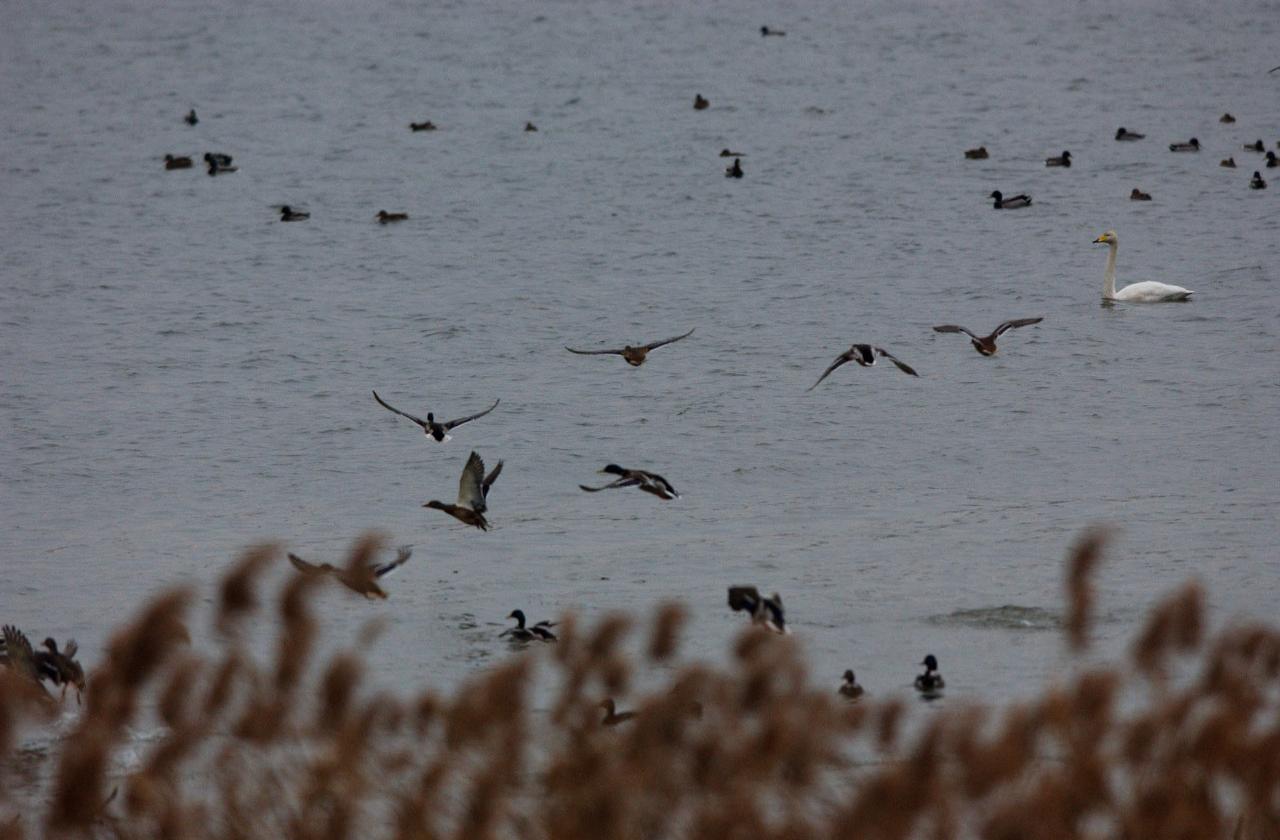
{"points": [[185, 375]]}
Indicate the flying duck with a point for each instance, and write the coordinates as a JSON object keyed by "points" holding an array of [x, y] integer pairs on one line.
{"points": [[1272, 160], [191, 118], [216, 168], [1062, 160], [634, 356], [218, 158], [766, 32], [1255, 146], [734, 171], [385, 218], [1226, 118], [612, 717], [473, 489], [1192, 145], [865, 355], [362, 579], [171, 162], [647, 481], [986, 345], [1229, 163], [60, 666], [1012, 202], [699, 103], [528, 126], [849, 689], [930, 682], [1139, 195], [767, 612], [539, 632], [432, 429], [1256, 183], [979, 153], [422, 126], [727, 153], [1124, 134], [288, 214]]}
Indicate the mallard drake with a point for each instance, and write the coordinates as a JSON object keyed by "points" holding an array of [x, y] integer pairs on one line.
{"points": [[1124, 134], [865, 355], [634, 355], [767, 612], [362, 579], [1226, 118], [1013, 202], [19, 658], [986, 345], [218, 158], [1063, 159], [612, 717], [930, 682], [288, 214], [432, 429], [1272, 160], [422, 126], [473, 490], [647, 481], [766, 32], [1255, 146], [1256, 182], [727, 153], [734, 171], [700, 104], [1192, 145], [1229, 163], [385, 218], [849, 689], [171, 162], [1139, 195], [528, 126], [540, 632], [979, 153], [191, 118]]}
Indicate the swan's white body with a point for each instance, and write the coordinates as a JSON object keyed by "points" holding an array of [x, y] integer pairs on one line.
{"points": [[1145, 292]]}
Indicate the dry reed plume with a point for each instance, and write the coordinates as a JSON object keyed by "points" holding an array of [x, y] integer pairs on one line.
{"points": [[1181, 743]]}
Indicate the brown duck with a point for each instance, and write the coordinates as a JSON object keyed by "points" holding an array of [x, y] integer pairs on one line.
{"points": [[358, 576], [634, 356], [473, 489], [986, 345]]}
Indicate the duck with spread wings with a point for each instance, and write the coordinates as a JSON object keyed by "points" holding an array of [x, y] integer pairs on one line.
{"points": [[634, 356], [865, 355], [473, 489], [432, 429], [359, 575]]}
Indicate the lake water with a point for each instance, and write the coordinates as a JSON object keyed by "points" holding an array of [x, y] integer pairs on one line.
{"points": [[185, 375]]}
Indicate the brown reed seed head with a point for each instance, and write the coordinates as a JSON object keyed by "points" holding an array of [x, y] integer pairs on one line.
{"points": [[1084, 557], [237, 593], [667, 622]]}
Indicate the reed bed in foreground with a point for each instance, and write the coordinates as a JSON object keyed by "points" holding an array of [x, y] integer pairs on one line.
{"points": [[297, 748]]}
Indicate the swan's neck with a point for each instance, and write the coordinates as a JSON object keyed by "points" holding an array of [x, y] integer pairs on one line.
{"points": [[1109, 279]]}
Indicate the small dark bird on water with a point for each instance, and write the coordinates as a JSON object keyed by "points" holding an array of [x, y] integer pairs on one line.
{"points": [[473, 490], [385, 218], [360, 575], [1013, 202], [422, 126], [727, 153], [979, 153], [191, 118], [1255, 146], [634, 356], [930, 682], [1229, 163], [986, 345], [700, 104], [649, 482], [288, 214], [218, 158], [171, 162], [1226, 118], [849, 689], [865, 355], [432, 429], [766, 32], [612, 717], [734, 171], [766, 612], [530, 127], [216, 168], [1063, 159], [1272, 160], [1124, 134], [1256, 183], [540, 632], [1192, 145], [1139, 195]]}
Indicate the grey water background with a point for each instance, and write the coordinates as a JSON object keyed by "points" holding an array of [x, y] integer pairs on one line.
{"points": [[184, 375]]}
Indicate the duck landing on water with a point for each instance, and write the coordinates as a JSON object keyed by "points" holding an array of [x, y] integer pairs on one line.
{"points": [[766, 612]]}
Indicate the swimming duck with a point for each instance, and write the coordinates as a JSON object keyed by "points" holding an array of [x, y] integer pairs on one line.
{"points": [[1226, 118], [634, 356], [171, 162], [1272, 160], [766, 32], [216, 168], [19, 658], [360, 579], [473, 490], [849, 689], [647, 481], [218, 158], [288, 214], [1229, 163], [1013, 202], [727, 153], [699, 103], [422, 126], [385, 218], [528, 126], [1256, 183], [1192, 145], [1062, 160], [191, 118], [539, 632], [930, 682], [1139, 195], [979, 153], [1146, 292], [1255, 146], [1123, 134], [432, 429], [612, 717], [61, 667], [865, 355], [986, 345], [734, 171], [767, 612]]}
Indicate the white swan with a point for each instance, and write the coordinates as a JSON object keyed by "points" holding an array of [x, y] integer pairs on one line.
{"points": [[1146, 292]]}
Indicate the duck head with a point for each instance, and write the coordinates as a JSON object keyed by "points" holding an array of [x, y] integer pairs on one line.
{"points": [[613, 469], [930, 663], [997, 195], [848, 677], [518, 615]]}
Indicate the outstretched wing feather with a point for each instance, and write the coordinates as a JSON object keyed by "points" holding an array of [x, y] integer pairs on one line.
{"points": [[419, 421]]}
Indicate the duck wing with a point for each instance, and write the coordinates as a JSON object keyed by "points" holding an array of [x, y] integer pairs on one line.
{"points": [[309, 568], [843, 358], [418, 420], [954, 328], [622, 482], [744, 598], [22, 658], [491, 478], [594, 352], [471, 484], [403, 553], [656, 344], [1018, 322], [468, 418], [902, 366]]}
